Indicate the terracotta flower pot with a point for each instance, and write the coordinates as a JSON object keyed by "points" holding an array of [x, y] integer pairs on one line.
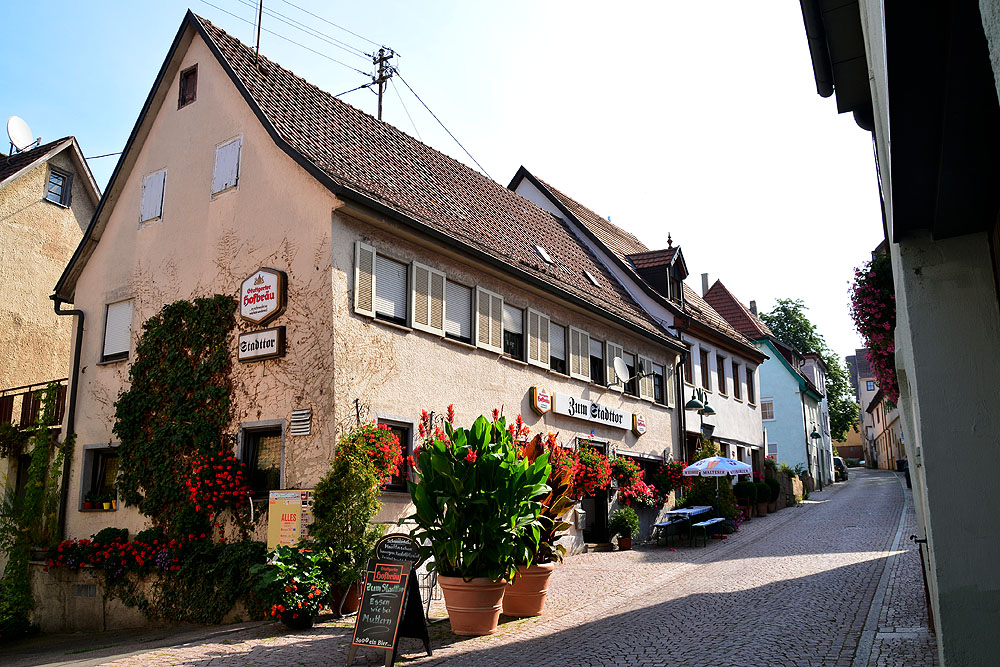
{"points": [[525, 596], [761, 509], [624, 543], [772, 507], [297, 620], [352, 601], [473, 606]]}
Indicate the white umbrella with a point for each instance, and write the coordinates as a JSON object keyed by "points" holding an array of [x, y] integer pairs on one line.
{"points": [[717, 466]]}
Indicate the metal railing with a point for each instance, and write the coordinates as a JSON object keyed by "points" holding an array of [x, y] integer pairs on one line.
{"points": [[26, 402]]}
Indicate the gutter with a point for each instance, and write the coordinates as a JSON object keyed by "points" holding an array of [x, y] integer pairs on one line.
{"points": [[70, 406]]}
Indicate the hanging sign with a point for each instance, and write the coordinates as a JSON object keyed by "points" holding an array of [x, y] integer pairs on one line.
{"points": [[638, 423], [263, 344], [593, 411], [263, 295], [541, 400]]}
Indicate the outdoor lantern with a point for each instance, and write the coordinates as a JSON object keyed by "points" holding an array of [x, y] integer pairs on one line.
{"points": [[708, 411], [815, 434], [694, 403]]}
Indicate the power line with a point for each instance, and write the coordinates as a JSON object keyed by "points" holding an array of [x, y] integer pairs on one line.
{"points": [[287, 39], [364, 85], [312, 32], [396, 90], [441, 124], [340, 27], [100, 156]]}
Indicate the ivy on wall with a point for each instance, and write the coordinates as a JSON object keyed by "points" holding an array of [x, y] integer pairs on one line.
{"points": [[177, 408]]}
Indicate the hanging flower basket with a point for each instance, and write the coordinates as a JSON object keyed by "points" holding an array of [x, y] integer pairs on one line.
{"points": [[873, 309]]}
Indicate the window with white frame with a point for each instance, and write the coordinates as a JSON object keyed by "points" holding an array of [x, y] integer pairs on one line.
{"points": [[579, 346], [659, 385], [538, 338], [557, 348], [261, 452], [226, 174], [117, 330], [151, 199], [59, 187], [632, 386], [772, 450], [597, 362], [766, 409], [513, 332], [458, 312], [720, 366], [390, 290]]}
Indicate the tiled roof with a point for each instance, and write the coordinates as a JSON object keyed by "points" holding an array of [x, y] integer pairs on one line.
{"points": [[864, 366], [378, 161], [626, 246], [11, 164], [734, 312], [652, 258]]}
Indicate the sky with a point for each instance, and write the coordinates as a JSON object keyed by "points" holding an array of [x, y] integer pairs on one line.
{"points": [[700, 120]]}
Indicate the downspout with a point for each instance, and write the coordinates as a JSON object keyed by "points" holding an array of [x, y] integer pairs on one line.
{"points": [[70, 406], [679, 381]]}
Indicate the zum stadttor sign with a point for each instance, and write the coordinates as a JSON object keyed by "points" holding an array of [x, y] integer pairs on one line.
{"points": [[263, 295]]}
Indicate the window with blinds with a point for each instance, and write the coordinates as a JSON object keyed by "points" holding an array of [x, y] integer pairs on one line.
{"points": [[117, 330], [597, 362], [227, 166], [489, 320], [151, 200], [390, 290], [428, 299], [557, 348], [458, 312], [513, 332], [579, 346], [538, 338]]}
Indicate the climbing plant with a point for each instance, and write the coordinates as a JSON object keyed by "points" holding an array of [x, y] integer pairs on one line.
{"points": [[175, 411]]}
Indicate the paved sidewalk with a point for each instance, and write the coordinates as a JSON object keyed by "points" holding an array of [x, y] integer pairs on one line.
{"points": [[792, 588]]}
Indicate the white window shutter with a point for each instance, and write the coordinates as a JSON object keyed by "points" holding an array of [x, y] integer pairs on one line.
{"points": [[227, 166], [579, 354], [668, 383], [151, 198], [364, 279], [614, 351], [489, 320], [538, 338], [646, 381], [458, 310], [427, 299], [118, 328]]}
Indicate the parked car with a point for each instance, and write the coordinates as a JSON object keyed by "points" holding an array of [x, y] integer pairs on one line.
{"points": [[840, 468]]}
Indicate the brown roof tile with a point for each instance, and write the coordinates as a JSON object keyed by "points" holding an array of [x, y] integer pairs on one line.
{"points": [[734, 312], [11, 164], [378, 161], [652, 258]]}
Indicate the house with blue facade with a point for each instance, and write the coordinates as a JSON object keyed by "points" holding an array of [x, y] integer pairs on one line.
{"points": [[793, 401]]}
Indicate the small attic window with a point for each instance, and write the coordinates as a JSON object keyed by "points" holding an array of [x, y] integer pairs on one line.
{"points": [[543, 254], [591, 278], [188, 87]]}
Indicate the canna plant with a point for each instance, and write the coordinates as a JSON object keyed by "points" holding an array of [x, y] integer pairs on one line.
{"points": [[557, 502], [478, 504]]}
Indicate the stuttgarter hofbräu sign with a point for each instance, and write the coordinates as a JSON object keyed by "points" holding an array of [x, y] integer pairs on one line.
{"points": [[581, 408], [263, 296]]}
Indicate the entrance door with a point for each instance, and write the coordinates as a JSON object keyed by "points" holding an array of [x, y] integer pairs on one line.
{"points": [[595, 529]]}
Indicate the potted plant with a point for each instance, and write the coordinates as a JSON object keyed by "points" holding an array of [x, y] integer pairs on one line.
{"points": [[90, 500], [292, 583], [477, 513], [625, 524], [746, 496], [525, 595], [106, 501], [593, 472], [625, 471], [763, 497], [345, 501], [775, 486]]}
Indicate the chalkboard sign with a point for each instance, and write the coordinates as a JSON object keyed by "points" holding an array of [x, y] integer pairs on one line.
{"points": [[397, 549], [381, 605]]}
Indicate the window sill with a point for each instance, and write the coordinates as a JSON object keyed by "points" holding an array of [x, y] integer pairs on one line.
{"points": [[394, 325], [113, 509], [751, 405], [737, 399], [553, 371], [460, 343], [108, 362], [143, 224], [221, 193], [514, 361], [56, 203]]}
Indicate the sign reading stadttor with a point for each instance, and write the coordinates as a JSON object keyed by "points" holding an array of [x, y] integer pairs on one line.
{"points": [[263, 295], [263, 344], [581, 408]]}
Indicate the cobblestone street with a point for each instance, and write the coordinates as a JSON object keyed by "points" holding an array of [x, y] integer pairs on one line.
{"points": [[833, 582]]}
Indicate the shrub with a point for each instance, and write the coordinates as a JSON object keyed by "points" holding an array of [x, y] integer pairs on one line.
{"points": [[763, 492], [746, 490], [291, 581], [775, 487], [624, 523], [788, 471]]}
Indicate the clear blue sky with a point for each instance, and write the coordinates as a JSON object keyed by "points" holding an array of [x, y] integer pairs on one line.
{"points": [[700, 119]]}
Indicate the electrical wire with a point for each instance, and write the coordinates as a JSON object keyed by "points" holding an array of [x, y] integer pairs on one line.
{"points": [[288, 39], [312, 32], [364, 85], [340, 27], [481, 168], [402, 104], [94, 157]]}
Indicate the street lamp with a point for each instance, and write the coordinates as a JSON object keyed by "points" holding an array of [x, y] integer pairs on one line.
{"points": [[699, 402]]}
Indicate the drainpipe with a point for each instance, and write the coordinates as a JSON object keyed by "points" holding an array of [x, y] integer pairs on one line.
{"points": [[70, 406], [679, 381]]}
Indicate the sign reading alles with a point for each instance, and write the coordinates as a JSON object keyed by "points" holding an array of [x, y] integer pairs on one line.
{"points": [[593, 411]]}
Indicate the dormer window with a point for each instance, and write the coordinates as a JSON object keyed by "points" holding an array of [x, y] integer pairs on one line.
{"points": [[591, 278], [543, 254]]}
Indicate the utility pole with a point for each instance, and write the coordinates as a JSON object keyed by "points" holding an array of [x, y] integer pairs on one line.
{"points": [[384, 73], [256, 55]]}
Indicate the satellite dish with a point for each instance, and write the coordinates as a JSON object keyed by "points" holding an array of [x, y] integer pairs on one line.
{"points": [[621, 370], [19, 133]]}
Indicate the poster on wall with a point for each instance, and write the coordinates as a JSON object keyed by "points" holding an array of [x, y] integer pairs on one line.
{"points": [[263, 295], [289, 515]]}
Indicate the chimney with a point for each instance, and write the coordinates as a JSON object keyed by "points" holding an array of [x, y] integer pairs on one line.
{"points": [[704, 284], [753, 307]]}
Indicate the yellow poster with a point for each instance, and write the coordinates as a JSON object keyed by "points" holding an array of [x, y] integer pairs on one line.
{"points": [[289, 513]]}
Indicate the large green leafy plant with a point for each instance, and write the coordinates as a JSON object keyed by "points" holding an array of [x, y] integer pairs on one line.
{"points": [[478, 503], [291, 582], [556, 502]]}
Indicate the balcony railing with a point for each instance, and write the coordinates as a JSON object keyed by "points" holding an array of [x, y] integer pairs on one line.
{"points": [[25, 402]]}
